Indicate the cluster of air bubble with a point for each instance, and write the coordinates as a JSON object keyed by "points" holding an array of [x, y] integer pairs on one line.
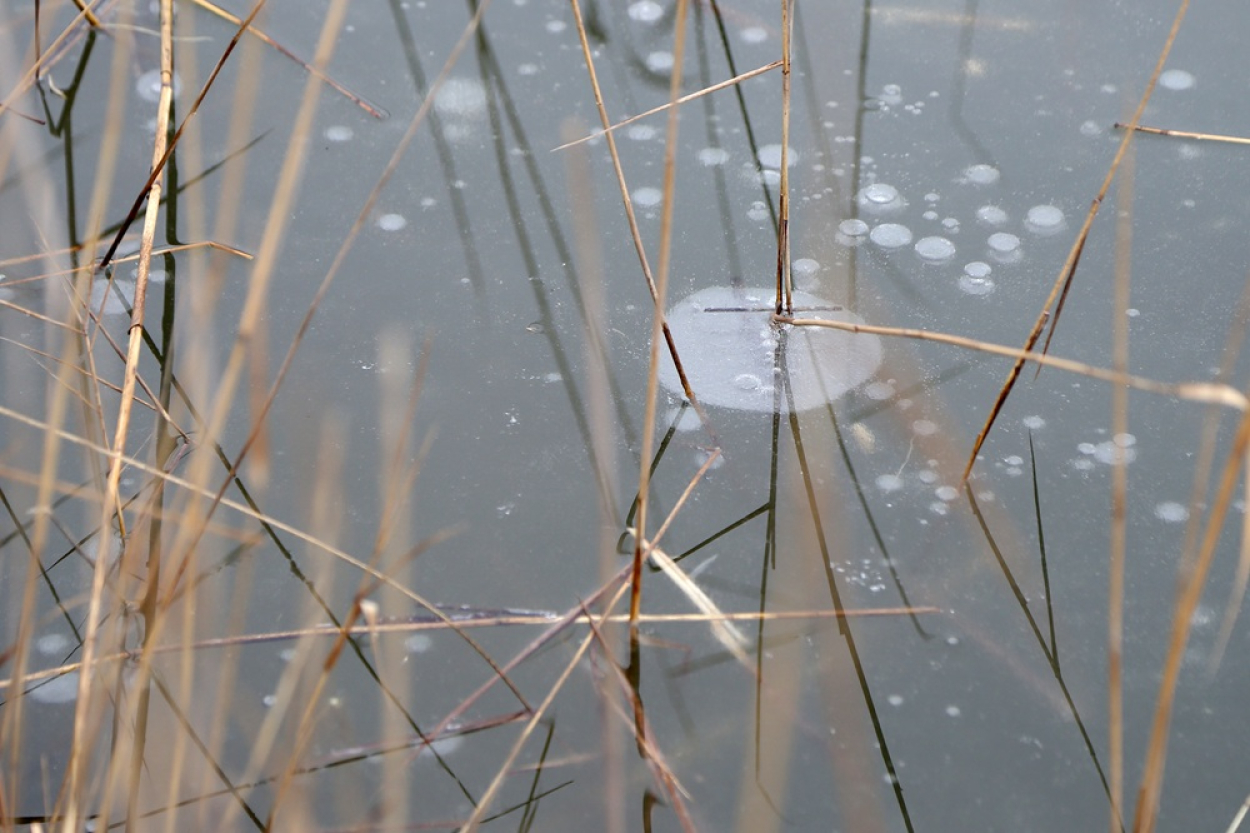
{"points": [[1119, 450], [881, 205]]}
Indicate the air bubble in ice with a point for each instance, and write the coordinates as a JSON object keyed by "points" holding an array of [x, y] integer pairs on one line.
{"points": [[52, 644], [879, 193], [660, 62], [981, 174], [890, 235], [1044, 219], [648, 197], [1003, 243], [392, 222], [338, 133], [418, 643], [1176, 79], [62, 689], [853, 227], [646, 11], [770, 157], [805, 266], [461, 98], [711, 157], [148, 85], [991, 215], [970, 285], [935, 249], [889, 482], [1172, 512]]}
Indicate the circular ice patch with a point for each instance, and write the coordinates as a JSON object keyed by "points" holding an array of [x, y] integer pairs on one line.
{"points": [[735, 357]]}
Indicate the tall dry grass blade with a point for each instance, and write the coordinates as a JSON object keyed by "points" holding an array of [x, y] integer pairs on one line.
{"points": [[737, 79], [1119, 496], [1063, 281]]}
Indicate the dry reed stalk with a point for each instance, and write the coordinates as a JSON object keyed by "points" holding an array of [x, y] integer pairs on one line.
{"points": [[1208, 392], [1063, 282], [531, 620], [784, 301], [737, 79], [1119, 496], [138, 742], [628, 203], [1185, 134]]}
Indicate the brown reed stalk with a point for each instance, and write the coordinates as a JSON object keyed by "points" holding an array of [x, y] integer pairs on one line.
{"points": [[785, 303], [1209, 392]]}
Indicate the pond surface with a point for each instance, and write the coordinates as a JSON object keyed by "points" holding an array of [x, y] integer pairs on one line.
{"points": [[452, 457]]}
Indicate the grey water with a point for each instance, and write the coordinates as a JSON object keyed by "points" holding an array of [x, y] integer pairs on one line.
{"points": [[943, 158]]}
